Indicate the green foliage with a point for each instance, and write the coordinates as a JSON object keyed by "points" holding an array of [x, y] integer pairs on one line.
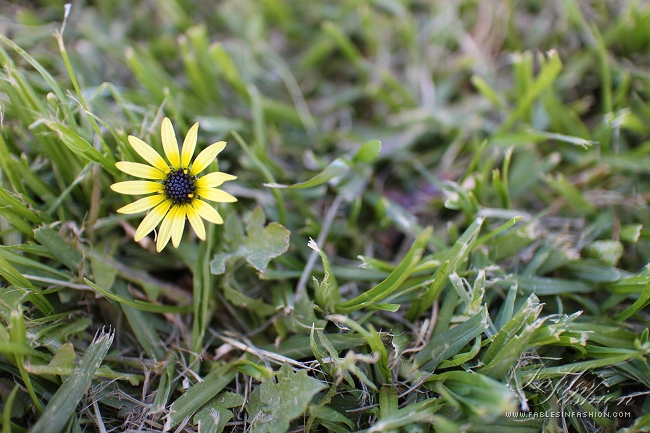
{"points": [[273, 405], [64, 402], [442, 217], [258, 246]]}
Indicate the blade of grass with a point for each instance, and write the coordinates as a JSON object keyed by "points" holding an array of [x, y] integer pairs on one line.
{"points": [[81, 147], [547, 75], [203, 291], [455, 256], [487, 91], [141, 324], [327, 291], [373, 339], [279, 199], [198, 395], [450, 342], [51, 240], [642, 302], [394, 279], [19, 337], [64, 402], [66, 60], [15, 278], [138, 304], [6, 411], [49, 79], [336, 168]]}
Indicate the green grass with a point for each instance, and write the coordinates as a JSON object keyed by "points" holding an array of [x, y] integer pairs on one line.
{"points": [[442, 217]]}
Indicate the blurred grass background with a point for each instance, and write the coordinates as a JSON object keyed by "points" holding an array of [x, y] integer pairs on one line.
{"points": [[491, 257]]}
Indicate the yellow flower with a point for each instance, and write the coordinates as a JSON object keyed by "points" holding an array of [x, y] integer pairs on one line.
{"points": [[178, 191]]}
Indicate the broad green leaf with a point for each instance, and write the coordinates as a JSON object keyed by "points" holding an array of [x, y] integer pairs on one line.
{"points": [[212, 418], [103, 273], [11, 298], [606, 334], [272, 406], [258, 247]]}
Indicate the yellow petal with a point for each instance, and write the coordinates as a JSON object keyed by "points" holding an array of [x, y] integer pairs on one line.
{"points": [[137, 187], [170, 145], [178, 224], [206, 156], [217, 195], [142, 205], [196, 222], [151, 220], [207, 212], [189, 144], [148, 153], [140, 170], [165, 230], [211, 180]]}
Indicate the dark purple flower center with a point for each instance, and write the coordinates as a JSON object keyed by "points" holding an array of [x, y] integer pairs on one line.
{"points": [[180, 186]]}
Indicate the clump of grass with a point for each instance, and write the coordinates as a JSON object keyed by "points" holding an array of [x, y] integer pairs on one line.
{"points": [[441, 225]]}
